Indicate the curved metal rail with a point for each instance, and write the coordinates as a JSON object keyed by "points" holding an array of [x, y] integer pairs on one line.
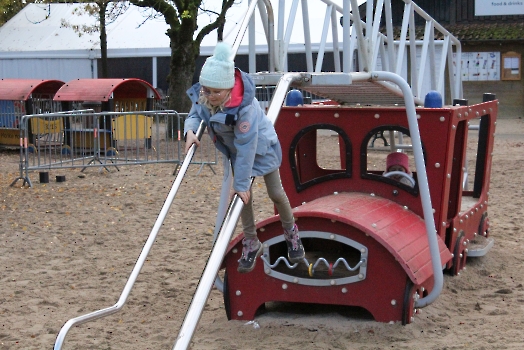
{"points": [[142, 257]]}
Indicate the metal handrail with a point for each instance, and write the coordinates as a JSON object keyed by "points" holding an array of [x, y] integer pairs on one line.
{"points": [[142, 257]]}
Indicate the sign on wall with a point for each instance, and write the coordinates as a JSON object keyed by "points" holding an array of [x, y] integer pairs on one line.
{"points": [[511, 66], [479, 66], [498, 7]]}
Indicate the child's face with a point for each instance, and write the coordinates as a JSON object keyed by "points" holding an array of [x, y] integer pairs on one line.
{"points": [[397, 168], [215, 96]]}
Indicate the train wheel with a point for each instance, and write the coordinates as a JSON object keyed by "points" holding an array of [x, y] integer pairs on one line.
{"points": [[227, 304], [408, 309], [484, 225], [459, 255], [111, 152], [66, 150]]}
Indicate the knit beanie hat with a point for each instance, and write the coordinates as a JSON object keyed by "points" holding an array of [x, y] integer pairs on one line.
{"points": [[219, 70], [397, 158]]}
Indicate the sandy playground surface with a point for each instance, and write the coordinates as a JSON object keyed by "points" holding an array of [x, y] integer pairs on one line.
{"points": [[68, 248]]}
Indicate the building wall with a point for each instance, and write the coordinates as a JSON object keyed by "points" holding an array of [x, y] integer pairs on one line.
{"points": [[510, 93], [64, 69]]}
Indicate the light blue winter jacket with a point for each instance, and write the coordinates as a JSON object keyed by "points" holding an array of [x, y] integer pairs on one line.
{"points": [[244, 134]]}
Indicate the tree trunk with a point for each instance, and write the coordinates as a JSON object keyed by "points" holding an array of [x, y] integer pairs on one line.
{"points": [[103, 38], [182, 65]]}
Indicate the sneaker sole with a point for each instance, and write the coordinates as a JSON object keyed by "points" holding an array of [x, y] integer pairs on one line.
{"points": [[297, 260], [246, 270]]}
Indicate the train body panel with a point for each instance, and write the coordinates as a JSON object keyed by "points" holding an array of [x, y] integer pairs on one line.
{"points": [[372, 226]]}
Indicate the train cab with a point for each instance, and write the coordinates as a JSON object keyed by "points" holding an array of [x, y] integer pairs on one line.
{"points": [[361, 223]]}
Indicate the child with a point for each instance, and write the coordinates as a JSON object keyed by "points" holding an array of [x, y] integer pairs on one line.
{"points": [[224, 98], [398, 161]]}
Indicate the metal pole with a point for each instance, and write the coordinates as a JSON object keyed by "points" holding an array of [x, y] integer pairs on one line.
{"points": [[205, 284], [141, 259]]}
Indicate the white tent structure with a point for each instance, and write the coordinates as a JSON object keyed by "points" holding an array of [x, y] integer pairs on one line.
{"points": [[34, 43]]}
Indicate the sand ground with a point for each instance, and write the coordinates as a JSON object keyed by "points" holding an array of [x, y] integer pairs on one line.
{"points": [[68, 248]]}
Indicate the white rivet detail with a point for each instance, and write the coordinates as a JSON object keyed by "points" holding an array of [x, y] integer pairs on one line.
{"points": [[393, 302], [477, 113], [437, 165], [332, 282], [373, 225], [463, 168], [295, 280], [333, 220], [361, 276], [362, 250], [461, 221], [443, 224], [418, 116], [377, 116], [372, 195], [442, 119], [455, 229], [405, 207], [344, 290], [303, 203], [337, 210], [467, 217], [240, 313], [238, 293], [332, 236], [297, 114], [483, 111], [453, 127], [336, 115], [235, 250], [466, 114], [433, 210], [284, 286], [262, 229], [335, 193], [448, 176], [267, 271]]}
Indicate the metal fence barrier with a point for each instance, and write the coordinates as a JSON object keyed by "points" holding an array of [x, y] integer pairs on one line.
{"points": [[82, 139]]}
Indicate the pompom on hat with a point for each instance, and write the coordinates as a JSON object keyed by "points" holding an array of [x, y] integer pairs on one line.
{"points": [[219, 70], [397, 158]]}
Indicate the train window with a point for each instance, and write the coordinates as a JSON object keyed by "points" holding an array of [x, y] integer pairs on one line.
{"points": [[387, 157], [328, 150], [319, 153]]}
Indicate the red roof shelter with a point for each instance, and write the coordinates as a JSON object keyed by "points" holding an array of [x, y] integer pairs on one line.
{"points": [[19, 97], [108, 95], [114, 94]]}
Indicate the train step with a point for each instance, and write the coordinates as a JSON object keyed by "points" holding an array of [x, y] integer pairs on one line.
{"points": [[480, 246]]}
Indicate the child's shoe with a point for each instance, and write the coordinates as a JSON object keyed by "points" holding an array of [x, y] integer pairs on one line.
{"points": [[250, 252], [295, 249]]}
